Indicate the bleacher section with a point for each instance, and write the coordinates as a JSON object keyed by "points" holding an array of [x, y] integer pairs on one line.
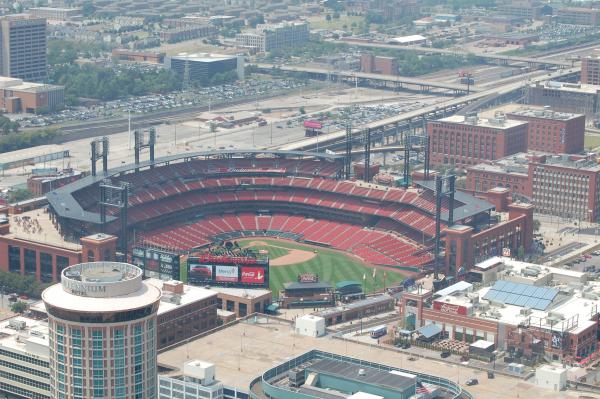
{"points": [[374, 246]]}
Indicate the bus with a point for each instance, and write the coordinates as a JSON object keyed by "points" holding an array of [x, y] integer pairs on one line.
{"points": [[378, 331]]}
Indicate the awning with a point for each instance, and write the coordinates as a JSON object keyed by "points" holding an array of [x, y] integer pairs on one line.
{"points": [[272, 308], [430, 330]]}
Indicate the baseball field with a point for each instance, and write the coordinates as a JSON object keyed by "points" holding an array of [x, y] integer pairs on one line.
{"points": [[289, 259]]}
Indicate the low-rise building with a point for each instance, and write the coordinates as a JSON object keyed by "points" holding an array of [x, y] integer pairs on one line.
{"points": [[358, 309], [150, 57], [370, 63], [565, 97], [268, 37], [201, 67], [41, 183], [242, 301], [530, 311], [560, 185], [578, 16], [55, 13], [552, 131], [17, 96], [590, 70], [191, 32], [462, 141]]}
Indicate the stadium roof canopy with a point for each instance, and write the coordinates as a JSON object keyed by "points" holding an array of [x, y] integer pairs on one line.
{"points": [[65, 205]]}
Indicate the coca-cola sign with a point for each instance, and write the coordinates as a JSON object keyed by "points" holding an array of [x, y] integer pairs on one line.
{"points": [[448, 308]]}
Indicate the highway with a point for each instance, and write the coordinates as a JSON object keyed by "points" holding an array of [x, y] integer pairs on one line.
{"points": [[489, 56], [421, 83], [340, 135]]}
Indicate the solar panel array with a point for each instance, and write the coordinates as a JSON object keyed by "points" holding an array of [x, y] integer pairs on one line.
{"points": [[523, 295]]}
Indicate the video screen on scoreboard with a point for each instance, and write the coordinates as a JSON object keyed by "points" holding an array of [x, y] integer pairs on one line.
{"points": [[156, 263], [224, 272]]}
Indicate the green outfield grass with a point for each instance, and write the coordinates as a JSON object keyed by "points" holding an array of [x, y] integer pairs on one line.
{"points": [[331, 266], [591, 141]]}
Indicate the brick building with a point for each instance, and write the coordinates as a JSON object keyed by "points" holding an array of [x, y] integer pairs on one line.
{"points": [[370, 63], [540, 321], [150, 57], [463, 141], [17, 96], [550, 131], [578, 16], [565, 97], [590, 70], [560, 185]]}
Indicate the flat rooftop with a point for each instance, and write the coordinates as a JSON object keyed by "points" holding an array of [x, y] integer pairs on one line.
{"points": [[244, 351], [483, 122], [32, 339], [203, 57], [190, 294], [371, 376], [544, 114], [240, 292], [36, 226], [572, 87]]}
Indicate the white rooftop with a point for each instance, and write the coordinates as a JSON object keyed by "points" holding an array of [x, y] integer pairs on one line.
{"points": [[191, 294], [241, 292], [31, 340], [203, 57], [500, 124], [407, 39]]}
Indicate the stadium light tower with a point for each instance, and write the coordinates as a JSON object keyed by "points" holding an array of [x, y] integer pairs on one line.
{"points": [[444, 187], [113, 196], [99, 150], [367, 172], [144, 139]]}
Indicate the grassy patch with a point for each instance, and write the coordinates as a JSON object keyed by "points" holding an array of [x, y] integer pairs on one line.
{"points": [[591, 141], [331, 266], [274, 252]]}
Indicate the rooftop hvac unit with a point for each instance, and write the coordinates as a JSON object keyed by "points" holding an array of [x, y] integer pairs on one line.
{"points": [[17, 324], [525, 311], [556, 315]]}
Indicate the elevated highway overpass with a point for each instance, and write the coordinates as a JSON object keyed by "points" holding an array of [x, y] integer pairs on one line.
{"points": [[498, 58], [409, 120], [398, 81]]}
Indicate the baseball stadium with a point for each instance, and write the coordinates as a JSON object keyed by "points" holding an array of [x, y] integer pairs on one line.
{"points": [[295, 205]]}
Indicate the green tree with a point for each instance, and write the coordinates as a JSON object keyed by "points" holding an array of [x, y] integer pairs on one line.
{"points": [[19, 307], [19, 194], [521, 252], [302, 110], [328, 17], [536, 225]]}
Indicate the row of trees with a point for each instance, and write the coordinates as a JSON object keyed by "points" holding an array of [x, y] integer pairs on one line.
{"points": [[30, 138], [13, 282], [109, 84]]}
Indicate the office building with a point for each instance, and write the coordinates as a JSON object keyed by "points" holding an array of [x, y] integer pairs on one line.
{"points": [[565, 97], [462, 141], [525, 9], [590, 70], [551, 131], [578, 16], [23, 47], [561, 185], [102, 332], [272, 37], [202, 67]]}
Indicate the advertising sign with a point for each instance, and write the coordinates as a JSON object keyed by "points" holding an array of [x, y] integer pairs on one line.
{"points": [[449, 308], [308, 278], [556, 340], [156, 263], [226, 273], [506, 252], [313, 125], [199, 272], [253, 275]]}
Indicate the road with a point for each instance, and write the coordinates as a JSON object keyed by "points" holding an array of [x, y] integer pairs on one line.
{"points": [[490, 56], [422, 83], [498, 91]]}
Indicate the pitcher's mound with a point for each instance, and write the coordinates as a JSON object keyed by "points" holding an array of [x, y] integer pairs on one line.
{"points": [[294, 256]]}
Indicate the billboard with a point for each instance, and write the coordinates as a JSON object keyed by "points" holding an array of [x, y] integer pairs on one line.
{"points": [[313, 125], [156, 263], [253, 275], [232, 271], [226, 273]]}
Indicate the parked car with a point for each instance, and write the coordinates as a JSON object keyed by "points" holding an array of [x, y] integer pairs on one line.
{"points": [[472, 381], [490, 375], [405, 345], [445, 354]]}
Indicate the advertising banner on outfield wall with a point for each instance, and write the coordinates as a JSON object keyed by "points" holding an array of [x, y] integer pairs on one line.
{"points": [[226, 273], [253, 275]]}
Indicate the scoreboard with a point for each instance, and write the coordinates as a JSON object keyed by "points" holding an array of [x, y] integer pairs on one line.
{"points": [[230, 271], [157, 263]]}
